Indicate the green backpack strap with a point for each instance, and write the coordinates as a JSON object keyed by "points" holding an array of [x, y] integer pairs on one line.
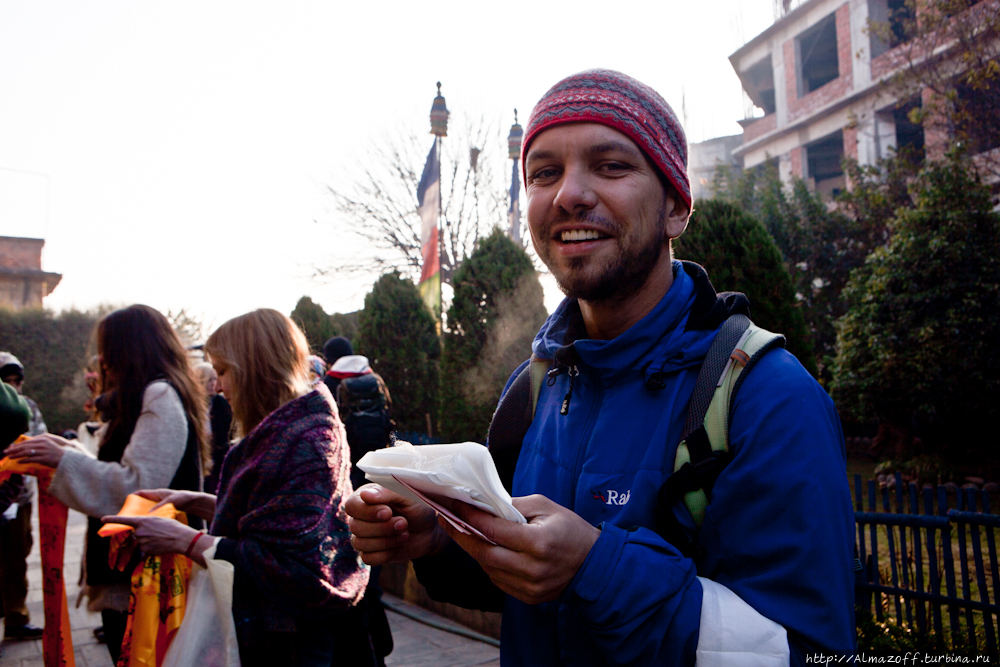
{"points": [[537, 370], [704, 449]]}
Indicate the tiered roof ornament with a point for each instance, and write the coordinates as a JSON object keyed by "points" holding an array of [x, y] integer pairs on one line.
{"points": [[439, 115], [514, 139]]}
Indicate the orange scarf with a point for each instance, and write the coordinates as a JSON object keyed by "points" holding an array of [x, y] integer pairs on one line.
{"points": [[57, 644]]}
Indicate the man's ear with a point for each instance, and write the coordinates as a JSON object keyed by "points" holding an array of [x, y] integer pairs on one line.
{"points": [[676, 216]]}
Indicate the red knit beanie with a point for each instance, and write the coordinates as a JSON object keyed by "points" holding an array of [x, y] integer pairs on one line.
{"points": [[620, 102]]}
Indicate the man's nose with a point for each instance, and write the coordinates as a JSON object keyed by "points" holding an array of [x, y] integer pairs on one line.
{"points": [[576, 191]]}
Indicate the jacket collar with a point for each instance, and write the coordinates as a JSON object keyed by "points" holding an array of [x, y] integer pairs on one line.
{"points": [[676, 334]]}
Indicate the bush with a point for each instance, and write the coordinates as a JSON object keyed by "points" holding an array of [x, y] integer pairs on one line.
{"points": [[740, 256], [319, 327], [916, 348], [497, 308], [398, 335], [54, 350]]}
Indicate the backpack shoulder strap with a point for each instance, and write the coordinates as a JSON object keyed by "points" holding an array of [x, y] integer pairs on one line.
{"points": [[513, 418], [704, 450]]}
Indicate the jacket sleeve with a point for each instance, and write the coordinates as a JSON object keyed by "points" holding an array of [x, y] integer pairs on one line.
{"points": [[296, 545], [780, 514], [150, 460]]}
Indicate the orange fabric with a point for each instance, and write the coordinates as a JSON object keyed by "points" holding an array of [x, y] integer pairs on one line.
{"points": [[137, 506], [159, 588], [57, 643]]}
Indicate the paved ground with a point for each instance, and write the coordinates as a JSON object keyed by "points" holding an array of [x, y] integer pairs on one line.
{"points": [[417, 644]]}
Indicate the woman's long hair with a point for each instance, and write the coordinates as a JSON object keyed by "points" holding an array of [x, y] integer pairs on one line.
{"points": [[264, 355], [137, 346]]}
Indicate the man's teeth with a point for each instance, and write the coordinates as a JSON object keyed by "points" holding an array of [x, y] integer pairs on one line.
{"points": [[580, 235]]}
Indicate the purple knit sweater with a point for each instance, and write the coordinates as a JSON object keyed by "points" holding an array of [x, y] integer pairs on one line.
{"points": [[281, 500]]}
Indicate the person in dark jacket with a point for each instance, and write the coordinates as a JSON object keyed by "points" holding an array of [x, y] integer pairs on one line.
{"points": [[279, 515], [16, 497], [334, 349], [589, 580]]}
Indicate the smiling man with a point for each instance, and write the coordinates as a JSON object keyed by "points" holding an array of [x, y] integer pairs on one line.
{"points": [[764, 575]]}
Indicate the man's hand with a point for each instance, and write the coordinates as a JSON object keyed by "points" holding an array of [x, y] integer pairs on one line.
{"points": [[533, 562], [387, 527], [201, 505], [156, 535], [47, 449]]}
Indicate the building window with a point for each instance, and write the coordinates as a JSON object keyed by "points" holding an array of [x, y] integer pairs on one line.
{"points": [[975, 115], [892, 24], [824, 169], [909, 135], [758, 81], [816, 51]]}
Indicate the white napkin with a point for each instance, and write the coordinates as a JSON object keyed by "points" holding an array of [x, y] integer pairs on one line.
{"points": [[464, 471]]}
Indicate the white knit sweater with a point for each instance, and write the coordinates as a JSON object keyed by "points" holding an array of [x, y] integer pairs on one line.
{"points": [[150, 461]]}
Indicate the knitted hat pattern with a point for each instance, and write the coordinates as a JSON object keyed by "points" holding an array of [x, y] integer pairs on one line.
{"points": [[624, 104]]}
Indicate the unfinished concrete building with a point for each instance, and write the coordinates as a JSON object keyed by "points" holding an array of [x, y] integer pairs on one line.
{"points": [[818, 75], [23, 283]]}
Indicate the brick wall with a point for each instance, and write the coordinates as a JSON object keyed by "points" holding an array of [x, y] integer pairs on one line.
{"points": [[18, 253], [839, 87], [851, 142], [936, 135], [795, 156], [758, 129]]}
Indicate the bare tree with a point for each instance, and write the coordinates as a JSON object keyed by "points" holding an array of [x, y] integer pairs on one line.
{"points": [[190, 329], [378, 202]]}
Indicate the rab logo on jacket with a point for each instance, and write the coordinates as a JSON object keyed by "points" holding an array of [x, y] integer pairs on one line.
{"points": [[612, 497]]}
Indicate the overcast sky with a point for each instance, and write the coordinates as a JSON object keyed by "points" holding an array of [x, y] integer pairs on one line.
{"points": [[175, 153]]}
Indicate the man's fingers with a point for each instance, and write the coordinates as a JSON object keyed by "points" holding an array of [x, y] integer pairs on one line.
{"points": [[385, 528], [505, 533]]}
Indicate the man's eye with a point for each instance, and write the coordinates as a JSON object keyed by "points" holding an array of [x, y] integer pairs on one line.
{"points": [[546, 172]]}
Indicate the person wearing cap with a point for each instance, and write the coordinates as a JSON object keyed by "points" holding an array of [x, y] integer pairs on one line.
{"points": [[588, 580], [333, 349], [18, 414]]}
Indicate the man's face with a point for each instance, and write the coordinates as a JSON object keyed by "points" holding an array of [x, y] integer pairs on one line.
{"points": [[598, 214], [14, 381]]}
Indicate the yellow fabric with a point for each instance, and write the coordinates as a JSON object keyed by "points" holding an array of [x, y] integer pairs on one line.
{"points": [[156, 609], [57, 642]]}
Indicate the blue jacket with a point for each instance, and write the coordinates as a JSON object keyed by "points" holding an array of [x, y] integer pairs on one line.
{"points": [[778, 533]]}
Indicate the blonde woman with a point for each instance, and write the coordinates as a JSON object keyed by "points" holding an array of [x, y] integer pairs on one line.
{"points": [[279, 516]]}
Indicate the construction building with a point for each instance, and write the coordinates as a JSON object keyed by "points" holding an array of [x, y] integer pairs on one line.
{"points": [[23, 283], [818, 74]]}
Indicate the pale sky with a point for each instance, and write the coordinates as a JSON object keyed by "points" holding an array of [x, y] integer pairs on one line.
{"points": [[176, 153]]}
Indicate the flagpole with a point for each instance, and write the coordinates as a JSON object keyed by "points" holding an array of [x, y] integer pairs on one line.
{"points": [[514, 208], [440, 313]]}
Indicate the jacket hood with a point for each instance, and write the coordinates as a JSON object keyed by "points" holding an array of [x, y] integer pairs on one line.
{"points": [[350, 366], [676, 334]]}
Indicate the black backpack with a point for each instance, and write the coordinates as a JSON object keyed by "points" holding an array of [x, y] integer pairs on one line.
{"points": [[364, 409]]}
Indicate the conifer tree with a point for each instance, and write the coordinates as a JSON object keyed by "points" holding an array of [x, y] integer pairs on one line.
{"points": [[740, 256], [398, 335]]}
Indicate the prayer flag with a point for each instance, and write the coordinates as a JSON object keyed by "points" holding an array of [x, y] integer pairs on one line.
{"points": [[514, 211], [428, 205]]}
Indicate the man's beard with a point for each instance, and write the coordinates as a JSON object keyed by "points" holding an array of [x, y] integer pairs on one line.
{"points": [[626, 273]]}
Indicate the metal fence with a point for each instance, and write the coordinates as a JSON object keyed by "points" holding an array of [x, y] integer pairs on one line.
{"points": [[921, 560]]}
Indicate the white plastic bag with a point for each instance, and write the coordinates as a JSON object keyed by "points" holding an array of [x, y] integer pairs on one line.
{"points": [[463, 471], [207, 636]]}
